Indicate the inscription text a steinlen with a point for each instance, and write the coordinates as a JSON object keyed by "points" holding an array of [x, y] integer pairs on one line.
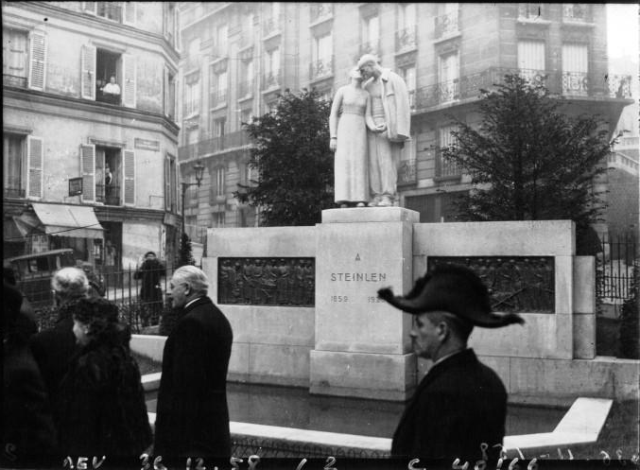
{"points": [[358, 277]]}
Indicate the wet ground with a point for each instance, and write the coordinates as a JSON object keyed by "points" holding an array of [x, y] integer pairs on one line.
{"points": [[296, 408]]}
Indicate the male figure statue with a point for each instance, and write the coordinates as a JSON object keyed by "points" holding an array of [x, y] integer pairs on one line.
{"points": [[392, 116]]}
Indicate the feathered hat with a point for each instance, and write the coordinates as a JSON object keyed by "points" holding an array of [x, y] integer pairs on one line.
{"points": [[455, 289]]}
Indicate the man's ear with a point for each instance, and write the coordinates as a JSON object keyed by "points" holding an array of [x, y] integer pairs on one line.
{"points": [[443, 330]]}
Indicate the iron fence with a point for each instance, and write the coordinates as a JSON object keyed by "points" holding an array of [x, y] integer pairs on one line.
{"points": [[615, 267]]}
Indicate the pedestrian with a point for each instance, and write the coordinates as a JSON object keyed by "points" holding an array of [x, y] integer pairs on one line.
{"points": [[27, 425], [150, 272], [101, 400], [460, 404], [392, 117], [96, 286], [54, 348], [26, 321], [192, 413]]}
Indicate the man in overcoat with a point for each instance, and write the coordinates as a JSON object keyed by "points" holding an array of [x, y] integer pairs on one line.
{"points": [[192, 413], [460, 404]]}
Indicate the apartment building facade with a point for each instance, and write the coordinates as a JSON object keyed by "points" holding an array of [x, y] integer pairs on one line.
{"points": [[85, 168], [239, 56]]}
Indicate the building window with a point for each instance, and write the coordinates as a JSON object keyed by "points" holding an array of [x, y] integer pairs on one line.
{"points": [[531, 60], [219, 127], [322, 57], [109, 10], [120, 12], [220, 182], [576, 12], [320, 11], [447, 22], [272, 19], [246, 38], [15, 57], [221, 48], [219, 88], [448, 77], [446, 167], [217, 219], [193, 57], [575, 68], [171, 184], [192, 95], [108, 170], [170, 95], [246, 80], [434, 207], [408, 73], [13, 165], [530, 11], [407, 173], [246, 115], [272, 69], [371, 35], [406, 36]]}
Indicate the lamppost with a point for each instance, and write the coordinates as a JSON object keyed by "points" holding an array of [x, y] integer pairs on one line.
{"points": [[199, 169]]}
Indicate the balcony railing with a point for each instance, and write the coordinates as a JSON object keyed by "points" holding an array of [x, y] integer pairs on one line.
{"points": [[530, 11], [447, 25], [371, 47], [271, 26], [576, 13], [14, 80], [246, 39], [321, 68], [446, 167], [412, 99], [321, 11], [109, 194], [13, 192], [567, 83], [245, 88], [211, 145], [217, 98], [271, 80], [407, 173], [406, 39]]}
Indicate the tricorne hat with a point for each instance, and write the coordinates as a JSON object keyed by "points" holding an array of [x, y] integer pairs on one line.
{"points": [[455, 289]]}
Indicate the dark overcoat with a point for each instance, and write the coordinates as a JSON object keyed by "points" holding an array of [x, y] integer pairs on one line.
{"points": [[192, 413], [459, 404]]}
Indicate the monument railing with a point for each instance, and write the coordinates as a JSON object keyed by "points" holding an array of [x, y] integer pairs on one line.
{"points": [[617, 256]]}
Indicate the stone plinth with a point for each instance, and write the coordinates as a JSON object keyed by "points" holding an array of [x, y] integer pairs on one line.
{"points": [[362, 346]]}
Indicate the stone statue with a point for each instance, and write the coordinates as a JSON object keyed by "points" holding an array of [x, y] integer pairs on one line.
{"points": [[391, 115], [350, 116]]}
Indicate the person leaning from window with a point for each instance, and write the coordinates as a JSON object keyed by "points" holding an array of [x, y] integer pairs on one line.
{"points": [[53, 348], [192, 413], [460, 403], [111, 91], [101, 401]]}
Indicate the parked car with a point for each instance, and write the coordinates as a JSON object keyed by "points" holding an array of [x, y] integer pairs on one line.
{"points": [[34, 272]]}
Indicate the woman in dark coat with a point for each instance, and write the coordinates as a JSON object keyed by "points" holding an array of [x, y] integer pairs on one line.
{"points": [[150, 273], [27, 425], [101, 404]]}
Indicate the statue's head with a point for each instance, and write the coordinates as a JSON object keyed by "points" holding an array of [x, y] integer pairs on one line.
{"points": [[354, 74], [369, 66]]}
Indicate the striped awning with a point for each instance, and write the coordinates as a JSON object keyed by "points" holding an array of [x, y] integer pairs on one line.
{"points": [[60, 220]]}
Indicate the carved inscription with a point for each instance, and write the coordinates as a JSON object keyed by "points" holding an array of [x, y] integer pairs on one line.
{"points": [[519, 284], [284, 282]]}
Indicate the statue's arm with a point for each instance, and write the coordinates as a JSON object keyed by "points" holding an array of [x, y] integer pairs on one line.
{"points": [[368, 118], [335, 110]]}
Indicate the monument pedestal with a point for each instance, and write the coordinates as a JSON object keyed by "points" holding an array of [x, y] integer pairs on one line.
{"points": [[362, 344]]}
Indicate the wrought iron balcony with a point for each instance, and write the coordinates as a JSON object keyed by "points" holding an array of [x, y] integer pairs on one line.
{"points": [[270, 26], [530, 11], [320, 11], [271, 80], [14, 80], [109, 194], [407, 173], [13, 192], [209, 145], [406, 39], [576, 13], [446, 167], [246, 39], [567, 84], [321, 68], [217, 98], [370, 48], [447, 25]]}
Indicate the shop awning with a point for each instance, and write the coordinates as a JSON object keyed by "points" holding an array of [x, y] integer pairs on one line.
{"points": [[60, 220]]}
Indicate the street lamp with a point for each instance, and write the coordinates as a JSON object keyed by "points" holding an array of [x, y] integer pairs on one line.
{"points": [[199, 169]]}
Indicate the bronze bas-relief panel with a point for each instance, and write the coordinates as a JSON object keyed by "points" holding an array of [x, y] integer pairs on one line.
{"points": [[519, 284], [285, 282]]}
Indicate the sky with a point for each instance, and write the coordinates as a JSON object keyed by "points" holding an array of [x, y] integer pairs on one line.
{"points": [[622, 30]]}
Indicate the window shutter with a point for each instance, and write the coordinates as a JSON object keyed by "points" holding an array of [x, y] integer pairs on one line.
{"points": [[167, 183], [90, 7], [176, 30], [129, 13], [88, 84], [38, 56], [35, 163], [178, 106], [129, 177], [129, 85], [88, 169]]}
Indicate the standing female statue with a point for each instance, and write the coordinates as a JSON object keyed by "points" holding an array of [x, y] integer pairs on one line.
{"points": [[348, 122]]}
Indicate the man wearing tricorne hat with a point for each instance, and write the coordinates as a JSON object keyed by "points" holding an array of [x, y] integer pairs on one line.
{"points": [[461, 403]]}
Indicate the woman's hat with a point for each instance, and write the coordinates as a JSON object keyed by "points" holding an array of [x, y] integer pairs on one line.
{"points": [[149, 253], [455, 289]]}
